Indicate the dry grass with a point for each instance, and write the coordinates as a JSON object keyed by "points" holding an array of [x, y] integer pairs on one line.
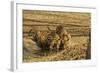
{"points": [[76, 23], [77, 51]]}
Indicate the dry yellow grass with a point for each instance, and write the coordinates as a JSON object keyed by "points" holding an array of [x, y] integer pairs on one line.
{"points": [[76, 23], [77, 52]]}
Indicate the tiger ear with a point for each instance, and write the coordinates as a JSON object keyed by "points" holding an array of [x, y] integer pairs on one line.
{"points": [[30, 32]]}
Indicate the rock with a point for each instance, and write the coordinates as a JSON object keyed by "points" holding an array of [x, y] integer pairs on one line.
{"points": [[30, 45]]}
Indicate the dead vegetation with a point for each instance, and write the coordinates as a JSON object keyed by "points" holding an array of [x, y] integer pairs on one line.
{"points": [[46, 39]]}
